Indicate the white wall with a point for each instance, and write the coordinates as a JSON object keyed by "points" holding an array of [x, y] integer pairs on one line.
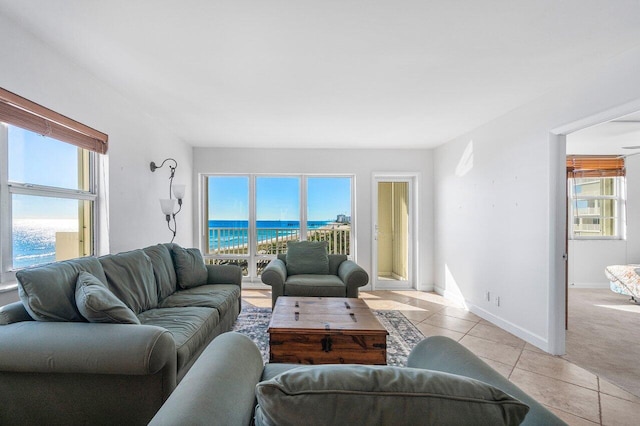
{"points": [[497, 225], [32, 70], [588, 258], [361, 163]]}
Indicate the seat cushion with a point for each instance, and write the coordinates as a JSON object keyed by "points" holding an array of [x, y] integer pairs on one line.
{"points": [[359, 394], [314, 285], [98, 304], [218, 296], [130, 278], [191, 327], [307, 257], [163, 269], [48, 291]]}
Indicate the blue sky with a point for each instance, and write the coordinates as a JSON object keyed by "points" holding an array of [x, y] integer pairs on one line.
{"points": [[42, 161], [278, 198]]}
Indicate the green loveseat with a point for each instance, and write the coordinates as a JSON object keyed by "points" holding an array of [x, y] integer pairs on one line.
{"points": [[444, 384], [106, 340]]}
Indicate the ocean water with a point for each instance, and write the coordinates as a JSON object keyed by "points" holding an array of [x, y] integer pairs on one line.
{"points": [[34, 240], [234, 233]]}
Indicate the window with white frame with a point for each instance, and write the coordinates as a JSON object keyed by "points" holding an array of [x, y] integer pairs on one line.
{"points": [[250, 218], [596, 190], [47, 186]]}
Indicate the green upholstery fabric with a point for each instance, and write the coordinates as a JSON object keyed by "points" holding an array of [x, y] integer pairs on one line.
{"points": [[98, 304], [130, 278], [163, 269], [444, 354], [218, 296], [314, 285], [191, 327], [48, 291], [358, 394], [13, 312], [219, 388], [307, 257], [190, 267]]}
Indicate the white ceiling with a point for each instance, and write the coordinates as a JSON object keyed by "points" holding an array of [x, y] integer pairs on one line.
{"points": [[616, 137], [331, 73]]}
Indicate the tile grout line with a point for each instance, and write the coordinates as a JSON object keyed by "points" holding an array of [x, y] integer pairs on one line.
{"points": [[599, 400]]}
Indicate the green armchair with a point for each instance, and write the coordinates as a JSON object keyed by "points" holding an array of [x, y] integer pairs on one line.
{"points": [[307, 270]]}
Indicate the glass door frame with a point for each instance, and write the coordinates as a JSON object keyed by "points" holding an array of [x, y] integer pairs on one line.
{"points": [[411, 282]]}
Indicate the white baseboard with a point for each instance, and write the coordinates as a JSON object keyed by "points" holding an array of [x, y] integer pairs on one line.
{"points": [[517, 331], [588, 285]]}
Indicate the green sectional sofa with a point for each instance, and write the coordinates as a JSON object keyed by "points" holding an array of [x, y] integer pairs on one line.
{"points": [[106, 340], [444, 384]]}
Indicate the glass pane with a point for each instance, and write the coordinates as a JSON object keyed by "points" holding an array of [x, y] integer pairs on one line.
{"points": [[277, 213], [46, 229], [242, 263], [594, 186], [260, 265], [392, 231], [595, 207], [594, 227], [40, 160], [329, 212], [228, 215]]}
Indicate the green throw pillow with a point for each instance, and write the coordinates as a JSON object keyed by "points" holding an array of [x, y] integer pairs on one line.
{"points": [[48, 291], [190, 267], [359, 394], [307, 257], [98, 304]]}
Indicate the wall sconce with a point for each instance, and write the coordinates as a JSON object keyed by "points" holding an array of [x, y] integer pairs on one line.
{"points": [[168, 205]]}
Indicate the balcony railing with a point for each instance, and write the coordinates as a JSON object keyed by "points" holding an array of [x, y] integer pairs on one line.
{"points": [[273, 241]]}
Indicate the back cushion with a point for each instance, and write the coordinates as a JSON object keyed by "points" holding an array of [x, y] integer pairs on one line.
{"points": [[307, 257], [48, 291], [382, 395], [130, 277], [190, 268], [163, 269]]}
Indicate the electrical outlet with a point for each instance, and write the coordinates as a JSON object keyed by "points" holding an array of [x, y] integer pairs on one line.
{"points": [[498, 301]]}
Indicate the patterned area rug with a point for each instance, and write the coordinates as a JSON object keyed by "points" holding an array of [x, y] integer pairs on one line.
{"points": [[403, 335]]}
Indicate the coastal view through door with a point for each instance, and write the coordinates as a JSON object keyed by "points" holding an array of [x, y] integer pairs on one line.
{"points": [[392, 234]]}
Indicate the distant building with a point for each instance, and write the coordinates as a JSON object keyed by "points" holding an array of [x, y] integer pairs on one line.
{"points": [[341, 218]]}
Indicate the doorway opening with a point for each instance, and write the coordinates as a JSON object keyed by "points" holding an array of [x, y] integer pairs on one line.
{"points": [[393, 232]]}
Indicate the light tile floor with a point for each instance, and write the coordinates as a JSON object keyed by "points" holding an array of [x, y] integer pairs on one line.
{"points": [[571, 392]]}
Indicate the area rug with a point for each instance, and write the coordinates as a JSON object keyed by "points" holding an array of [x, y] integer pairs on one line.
{"points": [[403, 335]]}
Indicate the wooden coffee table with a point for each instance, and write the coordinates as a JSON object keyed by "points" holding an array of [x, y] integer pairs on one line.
{"points": [[325, 330]]}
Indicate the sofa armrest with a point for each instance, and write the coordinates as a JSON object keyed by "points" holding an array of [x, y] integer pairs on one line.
{"points": [[275, 274], [13, 312], [224, 274], [220, 387], [85, 348], [444, 354], [353, 276]]}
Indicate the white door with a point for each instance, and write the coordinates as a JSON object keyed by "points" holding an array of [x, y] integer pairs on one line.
{"points": [[393, 239]]}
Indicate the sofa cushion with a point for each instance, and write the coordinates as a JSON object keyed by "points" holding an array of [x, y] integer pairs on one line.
{"points": [[307, 257], [190, 267], [48, 291], [163, 269], [315, 285], [191, 327], [98, 304], [218, 296], [358, 394], [130, 277]]}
